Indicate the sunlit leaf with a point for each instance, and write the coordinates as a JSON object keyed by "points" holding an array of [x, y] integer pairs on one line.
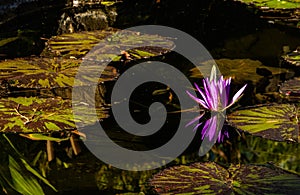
{"points": [[211, 178], [284, 12], [23, 164], [7, 40], [277, 122], [32, 114], [39, 137], [292, 59], [23, 183], [276, 4]]}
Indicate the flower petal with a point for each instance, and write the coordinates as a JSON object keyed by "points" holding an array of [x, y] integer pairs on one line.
{"points": [[196, 127], [212, 128], [204, 96], [237, 96], [213, 73], [204, 130], [195, 119], [209, 98], [197, 100]]}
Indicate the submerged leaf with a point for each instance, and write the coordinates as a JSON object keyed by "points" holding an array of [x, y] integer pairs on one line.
{"points": [[211, 178], [277, 122]]}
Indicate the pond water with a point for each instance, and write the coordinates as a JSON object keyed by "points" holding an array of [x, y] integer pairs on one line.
{"points": [[249, 53]]}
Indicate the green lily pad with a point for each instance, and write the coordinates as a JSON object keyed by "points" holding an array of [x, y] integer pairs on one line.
{"points": [[275, 4], [241, 70], [30, 115], [45, 73], [277, 122], [76, 45], [292, 59], [284, 12], [211, 178]]}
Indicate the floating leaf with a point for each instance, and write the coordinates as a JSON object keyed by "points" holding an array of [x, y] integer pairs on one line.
{"points": [[211, 178], [291, 89], [78, 44], [276, 4], [284, 12], [240, 70], [45, 73], [277, 122], [34, 114], [292, 59]]}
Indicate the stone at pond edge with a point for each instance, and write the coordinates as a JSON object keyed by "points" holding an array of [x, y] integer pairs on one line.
{"points": [[211, 178], [276, 122]]}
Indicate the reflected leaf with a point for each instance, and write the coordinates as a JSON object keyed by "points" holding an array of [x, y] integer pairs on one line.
{"points": [[277, 122], [211, 178], [112, 179]]}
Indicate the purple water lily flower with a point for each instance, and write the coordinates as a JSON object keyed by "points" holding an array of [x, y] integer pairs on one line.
{"points": [[215, 98]]}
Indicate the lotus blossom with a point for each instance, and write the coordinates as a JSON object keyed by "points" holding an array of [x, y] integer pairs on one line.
{"points": [[215, 98]]}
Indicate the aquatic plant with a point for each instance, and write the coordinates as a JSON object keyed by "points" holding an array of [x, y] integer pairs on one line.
{"points": [[215, 98]]}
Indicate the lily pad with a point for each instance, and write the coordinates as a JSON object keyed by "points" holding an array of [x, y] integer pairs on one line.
{"points": [[30, 115], [211, 178], [241, 70], [45, 73], [291, 88], [276, 4], [277, 122], [76, 45], [292, 59], [285, 12]]}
